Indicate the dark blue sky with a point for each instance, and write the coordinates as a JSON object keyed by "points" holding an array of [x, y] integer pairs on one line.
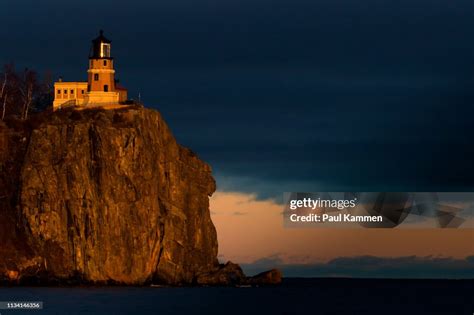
{"points": [[283, 95]]}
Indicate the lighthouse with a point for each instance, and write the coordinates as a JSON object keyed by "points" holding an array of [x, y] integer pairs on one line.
{"points": [[101, 73], [101, 88]]}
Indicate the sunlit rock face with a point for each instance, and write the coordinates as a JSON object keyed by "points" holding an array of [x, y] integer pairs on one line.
{"points": [[102, 196]]}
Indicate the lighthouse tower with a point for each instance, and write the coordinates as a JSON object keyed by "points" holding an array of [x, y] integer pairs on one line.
{"points": [[101, 73]]}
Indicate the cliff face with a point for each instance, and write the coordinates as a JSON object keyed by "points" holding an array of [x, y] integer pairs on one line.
{"points": [[103, 196]]}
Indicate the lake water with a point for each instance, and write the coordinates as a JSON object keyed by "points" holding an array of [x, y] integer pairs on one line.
{"points": [[294, 296]]}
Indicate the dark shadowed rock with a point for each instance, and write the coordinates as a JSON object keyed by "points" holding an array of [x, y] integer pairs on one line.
{"points": [[98, 196], [225, 274], [270, 277]]}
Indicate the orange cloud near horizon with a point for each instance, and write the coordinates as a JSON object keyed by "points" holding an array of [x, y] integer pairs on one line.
{"points": [[249, 229]]}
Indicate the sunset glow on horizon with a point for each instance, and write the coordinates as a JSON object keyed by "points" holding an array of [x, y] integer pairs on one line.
{"points": [[249, 229]]}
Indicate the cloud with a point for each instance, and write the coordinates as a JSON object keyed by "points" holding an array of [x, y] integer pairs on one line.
{"points": [[372, 267], [273, 260]]}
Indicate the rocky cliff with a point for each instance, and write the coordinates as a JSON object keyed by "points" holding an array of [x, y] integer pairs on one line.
{"points": [[105, 196]]}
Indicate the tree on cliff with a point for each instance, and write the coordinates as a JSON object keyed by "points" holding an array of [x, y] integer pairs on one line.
{"points": [[8, 82], [27, 87], [22, 92]]}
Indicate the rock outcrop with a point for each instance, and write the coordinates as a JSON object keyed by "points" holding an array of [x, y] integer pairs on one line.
{"points": [[228, 273], [104, 196], [270, 277]]}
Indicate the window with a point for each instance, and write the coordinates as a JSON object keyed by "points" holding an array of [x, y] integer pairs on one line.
{"points": [[106, 88], [65, 91], [72, 91], [104, 50], [59, 92], [96, 77], [82, 92], [88, 87], [105, 62]]}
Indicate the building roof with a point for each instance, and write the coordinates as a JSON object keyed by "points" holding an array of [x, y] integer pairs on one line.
{"points": [[65, 83], [101, 38], [118, 86]]}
